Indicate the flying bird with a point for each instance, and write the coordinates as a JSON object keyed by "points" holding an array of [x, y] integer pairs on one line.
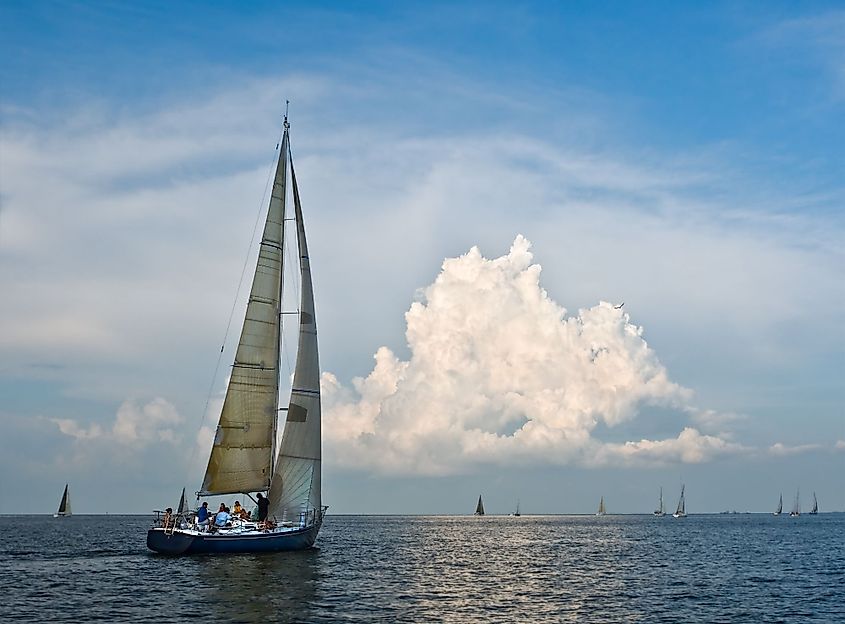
{"points": [[616, 307]]}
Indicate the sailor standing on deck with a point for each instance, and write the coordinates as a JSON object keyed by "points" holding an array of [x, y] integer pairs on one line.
{"points": [[202, 515], [263, 507]]}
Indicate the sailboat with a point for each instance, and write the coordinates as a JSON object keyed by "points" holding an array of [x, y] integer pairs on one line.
{"points": [[796, 506], [479, 508], [779, 510], [244, 457], [601, 511], [64, 505], [815, 509], [182, 507], [516, 513], [681, 511], [660, 511]]}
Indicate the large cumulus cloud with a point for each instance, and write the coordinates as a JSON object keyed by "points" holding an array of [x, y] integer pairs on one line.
{"points": [[499, 373]]}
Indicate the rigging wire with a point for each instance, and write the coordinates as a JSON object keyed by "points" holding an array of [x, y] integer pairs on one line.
{"points": [[270, 173]]}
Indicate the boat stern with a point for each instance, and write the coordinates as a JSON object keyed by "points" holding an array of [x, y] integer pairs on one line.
{"points": [[169, 543]]}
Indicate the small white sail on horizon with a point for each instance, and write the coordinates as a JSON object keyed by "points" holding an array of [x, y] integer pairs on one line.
{"points": [[601, 511], [660, 511], [779, 510], [815, 510]]}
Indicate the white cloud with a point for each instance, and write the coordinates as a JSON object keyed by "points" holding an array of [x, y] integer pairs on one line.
{"points": [[135, 426], [781, 449], [500, 374]]}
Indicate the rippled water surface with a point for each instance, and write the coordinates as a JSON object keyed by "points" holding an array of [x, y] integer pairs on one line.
{"points": [[736, 568]]}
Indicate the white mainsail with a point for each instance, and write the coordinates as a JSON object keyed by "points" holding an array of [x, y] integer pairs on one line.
{"points": [[242, 455], [295, 487]]}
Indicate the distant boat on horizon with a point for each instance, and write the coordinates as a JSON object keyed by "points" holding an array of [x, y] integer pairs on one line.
{"points": [[479, 508], [815, 509], [779, 510], [602, 511], [660, 511], [516, 513], [64, 505], [796, 507], [681, 511]]}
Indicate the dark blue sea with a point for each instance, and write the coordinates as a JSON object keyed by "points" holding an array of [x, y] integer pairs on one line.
{"points": [[720, 568]]}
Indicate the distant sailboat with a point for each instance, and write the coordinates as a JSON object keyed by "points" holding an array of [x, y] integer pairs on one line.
{"points": [[601, 511], [479, 508], [779, 510], [796, 506], [183, 505], [815, 508], [64, 505], [660, 511], [516, 513], [681, 511]]}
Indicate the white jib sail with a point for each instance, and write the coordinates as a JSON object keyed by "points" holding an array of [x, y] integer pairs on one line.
{"points": [[242, 455], [295, 488]]}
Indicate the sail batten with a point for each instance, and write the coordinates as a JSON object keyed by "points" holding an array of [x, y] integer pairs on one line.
{"points": [[242, 455]]}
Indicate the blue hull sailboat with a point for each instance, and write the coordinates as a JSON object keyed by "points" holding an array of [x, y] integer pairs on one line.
{"points": [[244, 457]]}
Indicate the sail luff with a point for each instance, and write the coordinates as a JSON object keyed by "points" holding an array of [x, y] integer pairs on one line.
{"points": [[295, 490], [242, 454]]}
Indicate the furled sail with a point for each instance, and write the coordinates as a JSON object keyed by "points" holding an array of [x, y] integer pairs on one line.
{"points": [[64, 505], [242, 455], [295, 488]]}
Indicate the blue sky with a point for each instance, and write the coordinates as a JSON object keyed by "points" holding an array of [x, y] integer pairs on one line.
{"points": [[682, 157]]}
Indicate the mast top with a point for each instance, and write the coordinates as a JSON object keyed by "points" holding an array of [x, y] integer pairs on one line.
{"points": [[287, 124]]}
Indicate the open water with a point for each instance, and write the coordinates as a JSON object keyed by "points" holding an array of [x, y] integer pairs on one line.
{"points": [[732, 568]]}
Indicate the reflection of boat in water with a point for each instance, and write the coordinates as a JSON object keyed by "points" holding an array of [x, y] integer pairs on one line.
{"points": [[681, 511], [244, 449], [796, 506], [479, 508], [260, 587], [660, 511], [601, 511], [779, 510], [64, 505]]}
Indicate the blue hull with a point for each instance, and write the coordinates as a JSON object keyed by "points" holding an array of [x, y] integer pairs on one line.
{"points": [[179, 543]]}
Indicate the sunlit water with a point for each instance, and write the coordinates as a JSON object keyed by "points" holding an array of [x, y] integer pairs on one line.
{"points": [[736, 568]]}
